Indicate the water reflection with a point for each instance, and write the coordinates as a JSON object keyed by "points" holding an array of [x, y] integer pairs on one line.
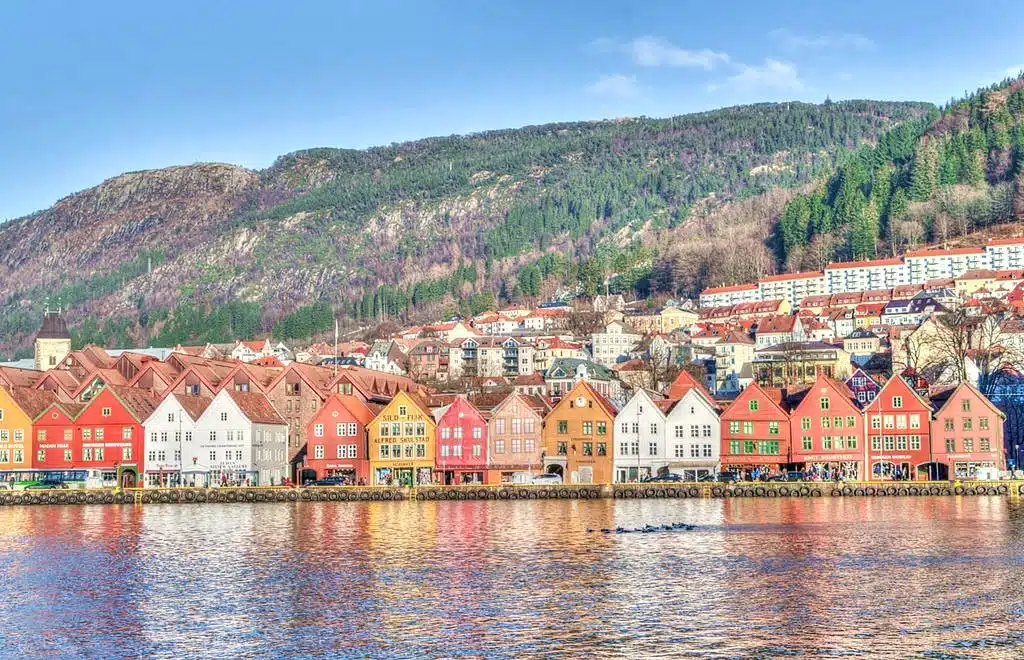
{"points": [[892, 576]]}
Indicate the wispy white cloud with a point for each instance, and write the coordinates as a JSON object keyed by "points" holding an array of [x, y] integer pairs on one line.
{"points": [[656, 52], [617, 85], [829, 41], [772, 74]]}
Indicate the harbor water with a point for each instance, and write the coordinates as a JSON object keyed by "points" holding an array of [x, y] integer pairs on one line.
{"points": [[813, 577]]}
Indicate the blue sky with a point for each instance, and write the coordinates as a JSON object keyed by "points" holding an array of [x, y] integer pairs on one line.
{"points": [[94, 89]]}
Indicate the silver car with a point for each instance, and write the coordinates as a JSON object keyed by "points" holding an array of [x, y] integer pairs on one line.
{"points": [[548, 479]]}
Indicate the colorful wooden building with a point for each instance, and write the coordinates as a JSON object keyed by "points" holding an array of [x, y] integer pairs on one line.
{"points": [[827, 430], [401, 442], [461, 451], [515, 437], [756, 433], [898, 434], [337, 439], [578, 437], [19, 406], [966, 433]]}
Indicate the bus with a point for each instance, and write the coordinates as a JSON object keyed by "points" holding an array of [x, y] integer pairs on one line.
{"points": [[72, 478]]}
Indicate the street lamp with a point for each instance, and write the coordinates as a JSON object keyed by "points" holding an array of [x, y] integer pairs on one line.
{"points": [[1016, 453]]}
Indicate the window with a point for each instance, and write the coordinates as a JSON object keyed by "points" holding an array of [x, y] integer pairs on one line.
{"points": [[901, 443], [983, 445], [563, 448], [826, 442], [499, 426], [588, 448], [516, 445], [602, 428], [409, 449], [748, 428], [876, 422], [385, 428], [499, 446], [694, 451], [19, 435], [805, 423], [707, 451], [752, 405], [396, 451], [396, 429], [876, 443], [446, 433], [705, 431], [824, 402], [734, 448], [403, 411], [602, 449], [476, 451], [105, 412], [947, 424], [318, 431], [318, 451], [773, 428], [223, 417], [87, 454], [213, 436], [477, 433], [965, 405], [41, 455], [67, 455], [983, 423], [213, 456], [126, 453], [339, 429], [652, 448], [915, 442], [826, 423], [851, 442], [901, 421], [188, 436], [654, 429], [19, 456], [530, 444], [889, 443], [563, 426], [340, 451], [410, 430], [86, 434], [968, 444], [806, 443], [897, 402], [528, 426], [890, 421], [41, 435], [915, 421], [385, 451], [694, 431], [446, 450], [968, 424], [588, 428], [749, 447], [850, 422], [734, 427]]}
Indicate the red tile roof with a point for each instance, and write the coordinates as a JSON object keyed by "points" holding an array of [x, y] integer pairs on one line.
{"points": [[32, 401], [791, 276], [728, 289], [869, 263], [940, 252], [257, 408]]}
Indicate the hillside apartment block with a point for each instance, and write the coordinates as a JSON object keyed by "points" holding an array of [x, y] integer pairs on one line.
{"points": [[914, 267]]}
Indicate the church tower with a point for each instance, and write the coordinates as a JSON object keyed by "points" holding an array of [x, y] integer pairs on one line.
{"points": [[53, 342]]}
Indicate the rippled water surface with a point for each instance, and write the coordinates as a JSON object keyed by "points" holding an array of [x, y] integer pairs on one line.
{"points": [[896, 577]]}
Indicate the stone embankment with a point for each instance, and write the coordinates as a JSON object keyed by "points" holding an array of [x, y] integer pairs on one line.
{"points": [[512, 492]]}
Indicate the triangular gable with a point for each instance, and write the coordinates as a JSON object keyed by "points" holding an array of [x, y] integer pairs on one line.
{"points": [[814, 392], [971, 388], [605, 405], [877, 401], [748, 393]]}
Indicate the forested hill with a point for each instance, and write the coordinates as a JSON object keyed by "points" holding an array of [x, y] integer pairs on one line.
{"points": [[925, 182], [406, 229]]}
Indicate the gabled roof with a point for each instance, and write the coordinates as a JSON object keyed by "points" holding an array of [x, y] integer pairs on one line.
{"points": [[940, 400], [257, 408], [607, 406], [683, 383], [32, 401], [140, 404], [776, 324], [775, 397], [20, 377]]}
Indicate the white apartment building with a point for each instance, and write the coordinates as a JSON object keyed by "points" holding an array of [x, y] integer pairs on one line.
{"points": [[924, 265], [615, 342], [793, 287], [1005, 253], [639, 439], [869, 275], [727, 296]]}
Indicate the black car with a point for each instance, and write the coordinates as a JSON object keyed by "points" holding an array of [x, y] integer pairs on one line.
{"points": [[722, 477], [668, 476], [328, 481]]}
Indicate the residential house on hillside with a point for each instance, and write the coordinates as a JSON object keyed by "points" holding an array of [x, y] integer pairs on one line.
{"points": [[774, 330], [863, 386], [734, 358], [550, 349], [910, 312], [425, 360], [565, 373], [532, 384], [613, 344], [862, 342], [799, 363], [385, 356]]}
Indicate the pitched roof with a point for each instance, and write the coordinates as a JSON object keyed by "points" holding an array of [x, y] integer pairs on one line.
{"points": [[32, 401], [939, 252], [54, 327], [776, 324], [728, 289], [257, 408], [20, 377], [791, 276], [140, 404], [683, 383], [868, 263], [195, 406]]}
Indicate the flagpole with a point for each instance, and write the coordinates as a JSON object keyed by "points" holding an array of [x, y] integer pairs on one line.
{"points": [[335, 346]]}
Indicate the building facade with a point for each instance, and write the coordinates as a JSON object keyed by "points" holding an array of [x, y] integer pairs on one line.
{"points": [[401, 443], [898, 434], [460, 455], [338, 440], [578, 436], [515, 437]]}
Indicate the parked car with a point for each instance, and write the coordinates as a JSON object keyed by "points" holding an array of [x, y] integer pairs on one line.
{"points": [[328, 481], [667, 476], [789, 476], [547, 479], [722, 477], [46, 484]]}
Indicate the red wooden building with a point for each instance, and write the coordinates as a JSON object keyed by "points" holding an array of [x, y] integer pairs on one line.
{"points": [[108, 433], [756, 433], [898, 434], [966, 434], [461, 454], [337, 439], [54, 431], [828, 431]]}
